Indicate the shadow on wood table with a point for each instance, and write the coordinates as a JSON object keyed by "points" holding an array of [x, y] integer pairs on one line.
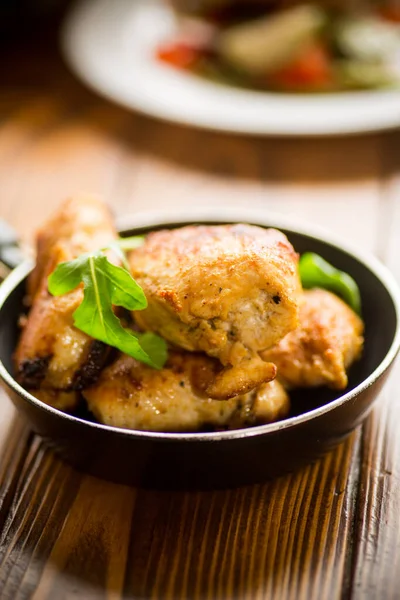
{"points": [[277, 160]]}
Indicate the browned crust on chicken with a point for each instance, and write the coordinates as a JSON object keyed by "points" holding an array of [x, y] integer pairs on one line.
{"points": [[134, 396], [81, 224], [53, 359], [328, 340], [240, 379], [230, 291]]}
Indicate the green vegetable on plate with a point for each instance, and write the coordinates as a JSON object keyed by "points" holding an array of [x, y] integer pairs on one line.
{"points": [[106, 285], [317, 272], [369, 39], [262, 46]]}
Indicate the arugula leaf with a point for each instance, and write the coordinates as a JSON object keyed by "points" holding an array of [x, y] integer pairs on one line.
{"points": [[105, 285], [124, 291], [317, 272], [150, 342], [69, 276], [120, 246], [130, 243]]}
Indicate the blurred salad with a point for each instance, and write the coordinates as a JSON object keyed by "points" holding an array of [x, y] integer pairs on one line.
{"points": [[300, 48]]}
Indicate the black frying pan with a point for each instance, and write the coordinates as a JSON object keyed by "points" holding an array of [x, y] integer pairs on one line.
{"points": [[320, 418]]}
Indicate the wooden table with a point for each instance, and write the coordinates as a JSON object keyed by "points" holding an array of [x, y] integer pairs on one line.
{"points": [[329, 531]]}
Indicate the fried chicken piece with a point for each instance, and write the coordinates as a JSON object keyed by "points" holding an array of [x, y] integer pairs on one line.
{"points": [[328, 340], [53, 359], [134, 396], [229, 291], [81, 224]]}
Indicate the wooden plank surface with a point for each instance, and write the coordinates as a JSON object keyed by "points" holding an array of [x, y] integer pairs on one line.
{"points": [[327, 531], [377, 561]]}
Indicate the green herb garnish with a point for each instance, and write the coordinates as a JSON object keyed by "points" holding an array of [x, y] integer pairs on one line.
{"points": [[120, 246], [317, 272], [104, 286], [129, 243]]}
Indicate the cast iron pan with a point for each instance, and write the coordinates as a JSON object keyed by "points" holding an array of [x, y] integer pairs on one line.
{"points": [[320, 418]]}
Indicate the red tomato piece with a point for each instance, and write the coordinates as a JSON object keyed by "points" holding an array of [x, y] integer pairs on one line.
{"points": [[311, 68], [390, 12], [178, 54]]}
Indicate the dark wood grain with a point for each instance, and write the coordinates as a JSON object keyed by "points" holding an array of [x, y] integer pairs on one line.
{"points": [[329, 531], [377, 566], [376, 570], [66, 534]]}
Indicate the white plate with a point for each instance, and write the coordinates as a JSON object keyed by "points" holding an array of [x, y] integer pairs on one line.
{"points": [[110, 45]]}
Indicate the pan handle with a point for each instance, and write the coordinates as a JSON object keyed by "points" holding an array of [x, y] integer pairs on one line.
{"points": [[11, 254]]}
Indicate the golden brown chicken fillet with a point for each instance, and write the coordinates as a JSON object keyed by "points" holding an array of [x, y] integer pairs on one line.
{"points": [[328, 340], [230, 291], [134, 396], [54, 359]]}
